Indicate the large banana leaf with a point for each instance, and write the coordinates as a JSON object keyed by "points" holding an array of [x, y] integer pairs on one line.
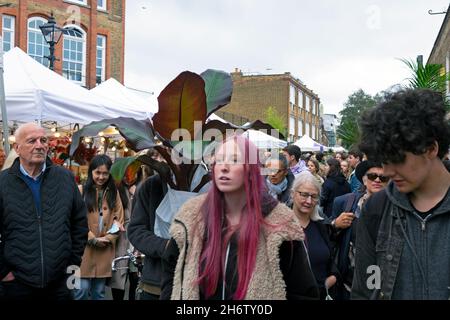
{"points": [[181, 103], [138, 133], [218, 89]]}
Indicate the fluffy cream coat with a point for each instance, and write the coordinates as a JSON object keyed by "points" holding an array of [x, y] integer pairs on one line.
{"points": [[266, 282]]}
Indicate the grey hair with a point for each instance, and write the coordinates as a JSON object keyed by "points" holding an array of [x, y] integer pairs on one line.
{"points": [[306, 177]]}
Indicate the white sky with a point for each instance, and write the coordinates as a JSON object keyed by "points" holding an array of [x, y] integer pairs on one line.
{"points": [[334, 47]]}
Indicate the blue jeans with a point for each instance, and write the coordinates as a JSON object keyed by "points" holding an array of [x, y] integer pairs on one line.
{"points": [[93, 287]]}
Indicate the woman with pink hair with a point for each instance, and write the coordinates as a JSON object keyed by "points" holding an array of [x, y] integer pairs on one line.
{"points": [[236, 242]]}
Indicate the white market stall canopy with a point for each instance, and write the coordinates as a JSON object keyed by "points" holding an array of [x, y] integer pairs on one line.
{"points": [[114, 90], [337, 148], [35, 93], [263, 140], [307, 144]]}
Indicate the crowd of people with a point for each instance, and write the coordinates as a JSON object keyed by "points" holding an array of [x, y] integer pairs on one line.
{"points": [[298, 226]]}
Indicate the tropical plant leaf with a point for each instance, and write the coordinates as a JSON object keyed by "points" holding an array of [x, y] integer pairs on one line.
{"points": [[430, 76], [181, 103], [129, 166], [124, 166], [349, 133], [218, 89], [138, 133]]}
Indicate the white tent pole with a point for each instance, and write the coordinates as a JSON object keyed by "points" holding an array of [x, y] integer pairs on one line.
{"points": [[3, 103]]}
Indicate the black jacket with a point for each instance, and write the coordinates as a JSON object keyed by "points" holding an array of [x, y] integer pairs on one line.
{"points": [[333, 187], [38, 249], [141, 228]]}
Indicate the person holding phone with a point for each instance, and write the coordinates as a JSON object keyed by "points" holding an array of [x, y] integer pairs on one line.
{"points": [[105, 220], [346, 210]]}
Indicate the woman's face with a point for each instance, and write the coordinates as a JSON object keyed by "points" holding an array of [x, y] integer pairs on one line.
{"points": [[344, 166], [311, 167], [229, 168], [375, 185], [100, 175], [306, 197]]}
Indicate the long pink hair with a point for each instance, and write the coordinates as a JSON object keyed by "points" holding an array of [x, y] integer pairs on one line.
{"points": [[214, 250]]}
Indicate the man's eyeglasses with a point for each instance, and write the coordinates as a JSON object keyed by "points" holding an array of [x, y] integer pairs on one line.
{"points": [[306, 195], [274, 171], [374, 176]]}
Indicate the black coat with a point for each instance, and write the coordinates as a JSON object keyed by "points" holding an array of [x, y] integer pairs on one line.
{"points": [[38, 249], [141, 228], [333, 187]]}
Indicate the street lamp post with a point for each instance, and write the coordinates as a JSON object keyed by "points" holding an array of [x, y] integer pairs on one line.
{"points": [[52, 34]]}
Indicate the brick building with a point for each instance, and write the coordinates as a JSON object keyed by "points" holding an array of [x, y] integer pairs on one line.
{"points": [[440, 53], [89, 57], [298, 106]]}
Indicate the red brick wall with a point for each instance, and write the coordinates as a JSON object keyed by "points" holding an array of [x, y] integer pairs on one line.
{"points": [[110, 23]]}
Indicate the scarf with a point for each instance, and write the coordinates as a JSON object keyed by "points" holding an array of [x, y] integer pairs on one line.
{"points": [[276, 189]]}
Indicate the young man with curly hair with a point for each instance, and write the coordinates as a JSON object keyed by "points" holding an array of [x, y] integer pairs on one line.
{"points": [[403, 234]]}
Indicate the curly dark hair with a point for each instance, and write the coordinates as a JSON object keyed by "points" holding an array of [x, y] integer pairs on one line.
{"points": [[410, 120]]}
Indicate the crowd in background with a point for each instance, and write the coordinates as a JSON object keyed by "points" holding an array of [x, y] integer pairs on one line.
{"points": [[297, 226]]}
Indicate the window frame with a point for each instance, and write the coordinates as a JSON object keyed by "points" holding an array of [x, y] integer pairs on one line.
{"points": [[103, 66], [84, 54], [44, 43], [11, 30], [103, 7]]}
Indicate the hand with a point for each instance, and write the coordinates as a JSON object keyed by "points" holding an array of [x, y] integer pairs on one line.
{"points": [[344, 220], [102, 242], [9, 277], [330, 281]]}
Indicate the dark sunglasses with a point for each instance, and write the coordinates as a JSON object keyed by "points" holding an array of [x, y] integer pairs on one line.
{"points": [[374, 176]]}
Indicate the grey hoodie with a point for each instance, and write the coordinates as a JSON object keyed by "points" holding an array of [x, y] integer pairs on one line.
{"points": [[412, 253], [424, 268]]}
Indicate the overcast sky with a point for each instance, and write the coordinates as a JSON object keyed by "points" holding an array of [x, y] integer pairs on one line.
{"points": [[334, 47]]}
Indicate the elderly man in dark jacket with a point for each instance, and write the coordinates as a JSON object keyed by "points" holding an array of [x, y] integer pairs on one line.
{"points": [[43, 223]]}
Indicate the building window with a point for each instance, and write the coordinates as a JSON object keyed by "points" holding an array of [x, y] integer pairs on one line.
{"points": [[78, 1], [300, 128], [101, 54], [292, 93], [74, 56], [307, 131], [8, 32], [301, 102], [37, 46], [101, 4], [313, 132], [291, 125]]}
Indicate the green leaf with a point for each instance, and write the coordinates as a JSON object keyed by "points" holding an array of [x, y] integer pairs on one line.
{"points": [[121, 166], [218, 89], [181, 103]]}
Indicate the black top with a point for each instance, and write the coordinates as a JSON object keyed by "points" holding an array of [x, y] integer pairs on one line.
{"points": [[318, 251], [141, 228]]}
